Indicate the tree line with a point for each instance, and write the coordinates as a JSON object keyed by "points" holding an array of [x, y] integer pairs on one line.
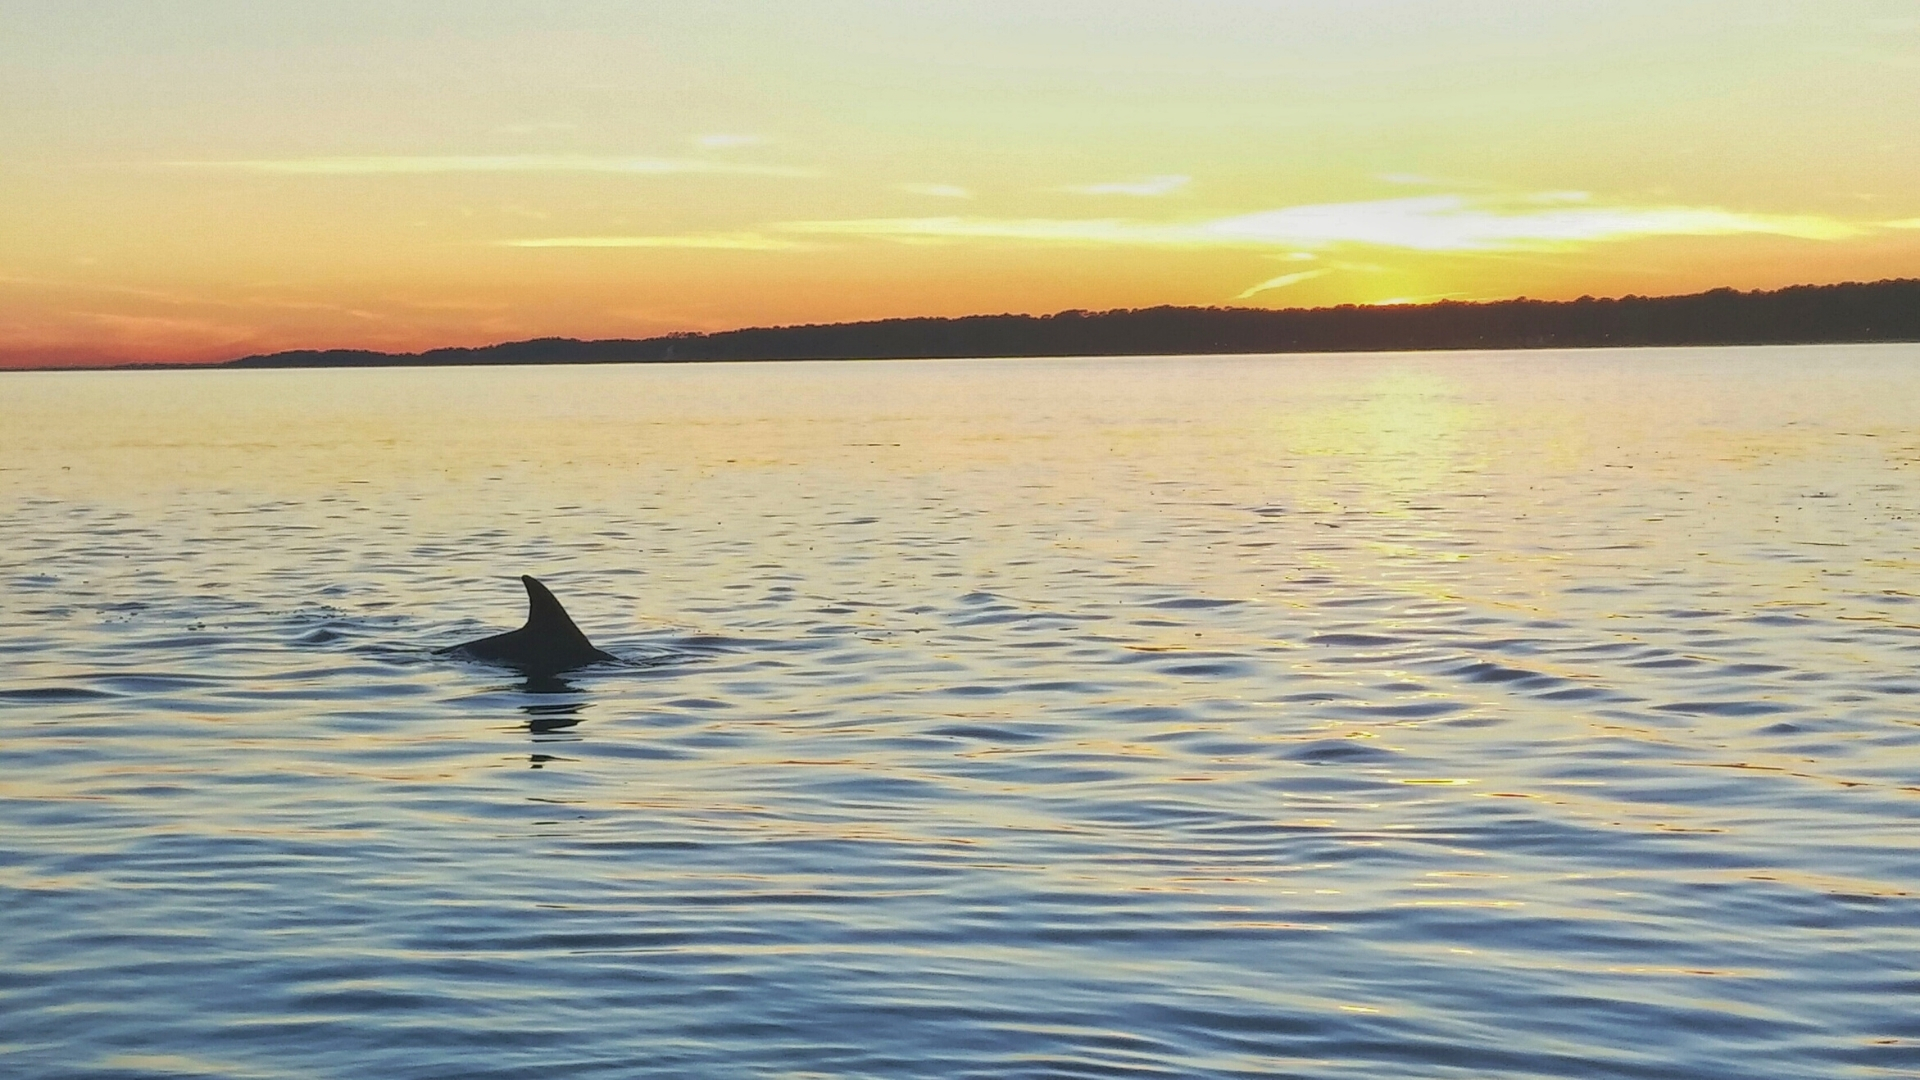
{"points": [[1802, 314]]}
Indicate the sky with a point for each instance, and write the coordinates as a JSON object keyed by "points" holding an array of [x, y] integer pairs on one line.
{"points": [[197, 180]]}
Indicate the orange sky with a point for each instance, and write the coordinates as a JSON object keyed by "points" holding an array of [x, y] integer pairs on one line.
{"points": [[199, 180]]}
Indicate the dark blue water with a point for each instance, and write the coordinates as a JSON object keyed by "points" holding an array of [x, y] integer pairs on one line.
{"points": [[1523, 715]]}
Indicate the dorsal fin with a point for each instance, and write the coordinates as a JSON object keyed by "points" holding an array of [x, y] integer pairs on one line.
{"points": [[549, 643], [546, 619]]}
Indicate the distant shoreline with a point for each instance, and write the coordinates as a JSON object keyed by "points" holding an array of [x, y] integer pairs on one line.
{"points": [[1850, 313]]}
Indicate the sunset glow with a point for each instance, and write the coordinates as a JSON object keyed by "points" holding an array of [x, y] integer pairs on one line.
{"points": [[200, 180]]}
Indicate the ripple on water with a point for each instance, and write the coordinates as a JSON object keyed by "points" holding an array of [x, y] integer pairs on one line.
{"points": [[1323, 717], [52, 694]]}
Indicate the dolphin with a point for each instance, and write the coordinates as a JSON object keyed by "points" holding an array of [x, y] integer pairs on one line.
{"points": [[547, 645]]}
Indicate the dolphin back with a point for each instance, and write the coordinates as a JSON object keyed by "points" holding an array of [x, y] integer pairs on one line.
{"points": [[548, 644]]}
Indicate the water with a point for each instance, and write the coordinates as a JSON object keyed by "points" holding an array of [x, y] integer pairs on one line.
{"points": [[1505, 715]]}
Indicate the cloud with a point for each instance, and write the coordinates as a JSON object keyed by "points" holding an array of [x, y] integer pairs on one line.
{"points": [[508, 163], [1455, 223], [938, 191], [1437, 223], [177, 299], [149, 327], [745, 241], [1907, 223], [1044, 230], [1147, 188], [1413, 179], [722, 141], [1282, 282], [1553, 221]]}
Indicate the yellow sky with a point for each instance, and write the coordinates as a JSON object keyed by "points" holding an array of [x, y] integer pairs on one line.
{"points": [[200, 179]]}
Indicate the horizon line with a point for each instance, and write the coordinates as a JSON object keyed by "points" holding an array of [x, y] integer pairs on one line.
{"points": [[695, 335]]}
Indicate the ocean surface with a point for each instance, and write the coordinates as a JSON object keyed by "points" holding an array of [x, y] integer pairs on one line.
{"points": [[1549, 714]]}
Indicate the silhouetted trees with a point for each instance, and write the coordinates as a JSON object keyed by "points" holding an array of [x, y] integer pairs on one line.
{"points": [[1802, 314]]}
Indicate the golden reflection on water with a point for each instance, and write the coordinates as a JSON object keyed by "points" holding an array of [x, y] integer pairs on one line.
{"points": [[1404, 432]]}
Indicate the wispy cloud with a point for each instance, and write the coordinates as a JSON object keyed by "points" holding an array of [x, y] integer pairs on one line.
{"points": [[1556, 221], [938, 191], [724, 141], [1281, 282], [1436, 223], [744, 241], [1907, 223], [178, 299], [1043, 230], [1145, 188], [1412, 179], [537, 128], [150, 326], [508, 163], [1456, 223]]}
